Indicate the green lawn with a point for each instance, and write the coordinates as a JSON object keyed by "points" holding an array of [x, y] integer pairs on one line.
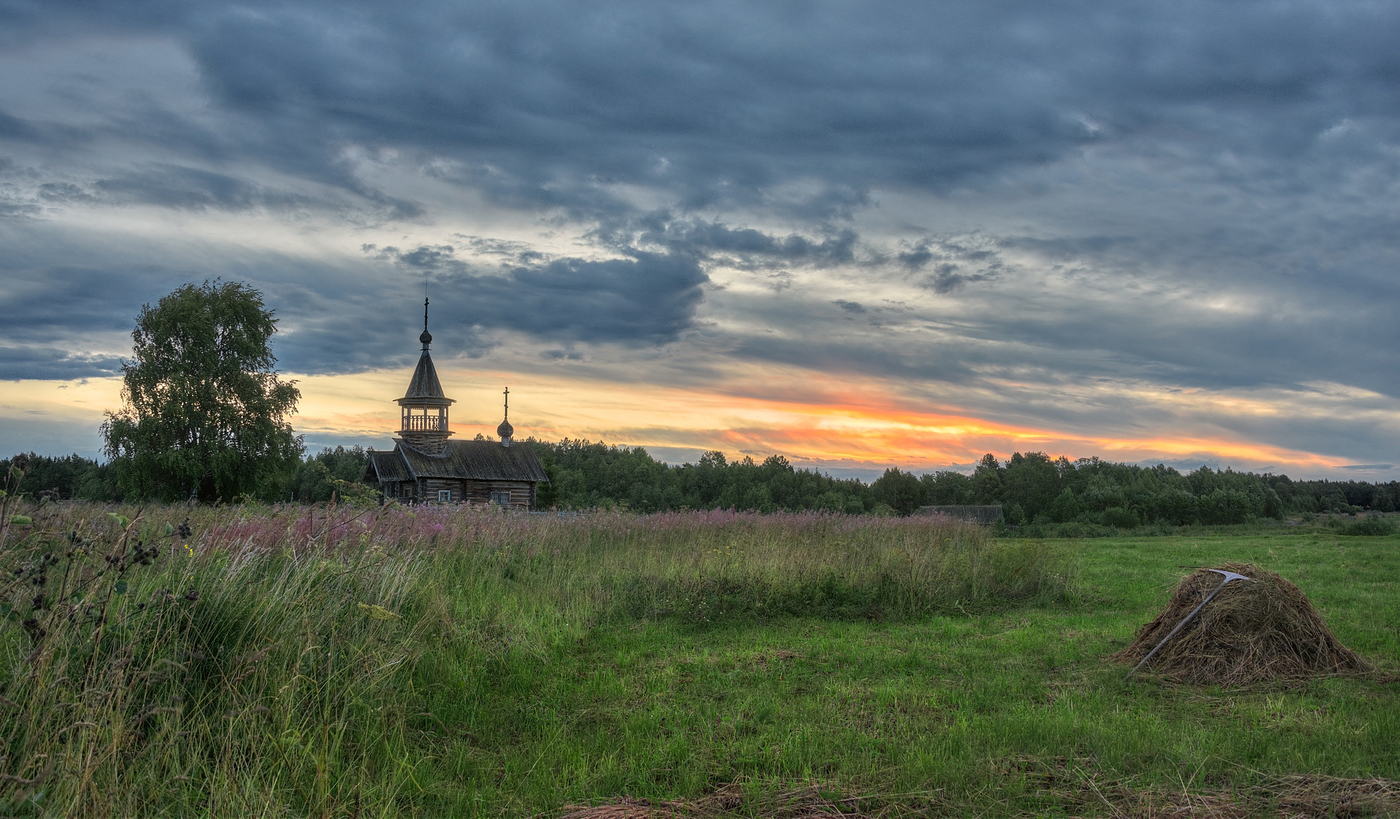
{"points": [[1000, 714]]}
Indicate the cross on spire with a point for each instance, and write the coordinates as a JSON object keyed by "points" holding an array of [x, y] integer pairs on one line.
{"points": [[423, 406], [505, 430], [426, 337]]}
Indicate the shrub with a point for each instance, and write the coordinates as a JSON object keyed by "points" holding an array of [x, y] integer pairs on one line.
{"points": [[1121, 518], [141, 669], [1369, 526]]}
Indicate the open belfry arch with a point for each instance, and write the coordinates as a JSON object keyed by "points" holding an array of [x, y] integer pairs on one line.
{"points": [[425, 466]]}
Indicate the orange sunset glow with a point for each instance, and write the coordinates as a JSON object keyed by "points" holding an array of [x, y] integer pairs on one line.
{"points": [[842, 425], [825, 422]]}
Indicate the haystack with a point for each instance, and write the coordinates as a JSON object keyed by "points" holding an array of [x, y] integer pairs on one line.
{"points": [[1251, 632]]}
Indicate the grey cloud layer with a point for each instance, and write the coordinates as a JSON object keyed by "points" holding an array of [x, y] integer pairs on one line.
{"points": [[1190, 195], [544, 104], [647, 299]]}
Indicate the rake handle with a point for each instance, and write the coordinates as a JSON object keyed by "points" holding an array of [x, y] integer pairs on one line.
{"points": [[1179, 626]]}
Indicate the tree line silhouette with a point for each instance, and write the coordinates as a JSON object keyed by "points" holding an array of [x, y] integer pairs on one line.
{"points": [[1031, 488]]}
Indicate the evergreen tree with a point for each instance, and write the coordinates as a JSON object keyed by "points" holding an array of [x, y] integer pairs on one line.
{"points": [[901, 491]]}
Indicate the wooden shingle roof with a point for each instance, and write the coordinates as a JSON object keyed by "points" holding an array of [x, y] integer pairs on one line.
{"points": [[466, 460], [387, 467], [424, 387]]}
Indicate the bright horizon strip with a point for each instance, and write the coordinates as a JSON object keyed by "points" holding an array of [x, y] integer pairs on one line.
{"points": [[821, 420], [850, 425]]}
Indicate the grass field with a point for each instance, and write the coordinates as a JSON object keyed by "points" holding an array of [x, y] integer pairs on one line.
{"points": [[450, 662]]}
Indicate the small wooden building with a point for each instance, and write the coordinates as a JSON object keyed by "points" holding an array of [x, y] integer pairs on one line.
{"points": [[985, 515], [425, 467]]}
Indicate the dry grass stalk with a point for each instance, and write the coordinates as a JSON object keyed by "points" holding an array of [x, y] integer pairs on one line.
{"points": [[802, 803], [626, 809], [1291, 797], [1317, 795], [1072, 784], [1251, 632]]}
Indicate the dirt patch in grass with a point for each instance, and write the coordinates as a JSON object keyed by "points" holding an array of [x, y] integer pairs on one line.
{"points": [[1261, 630]]}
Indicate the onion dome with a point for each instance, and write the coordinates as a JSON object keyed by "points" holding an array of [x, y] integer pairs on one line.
{"points": [[505, 430]]}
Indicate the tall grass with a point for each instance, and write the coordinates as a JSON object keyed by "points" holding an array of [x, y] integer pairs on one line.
{"points": [[261, 661]]}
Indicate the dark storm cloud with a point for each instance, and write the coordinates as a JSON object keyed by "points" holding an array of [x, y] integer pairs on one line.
{"points": [[75, 320], [424, 257], [1230, 308], [917, 257], [719, 103], [722, 103], [646, 299], [649, 299], [326, 332], [47, 304], [14, 128], [16, 208], [1173, 346], [15, 201], [957, 261], [182, 189], [543, 114], [67, 193], [46, 363], [947, 278]]}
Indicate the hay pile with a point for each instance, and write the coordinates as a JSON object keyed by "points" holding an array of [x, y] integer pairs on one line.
{"points": [[1251, 632]]}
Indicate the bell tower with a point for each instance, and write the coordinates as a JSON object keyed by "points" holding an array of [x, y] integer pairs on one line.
{"points": [[423, 408]]}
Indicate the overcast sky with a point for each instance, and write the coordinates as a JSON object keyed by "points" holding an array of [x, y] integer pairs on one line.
{"points": [[858, 234]]}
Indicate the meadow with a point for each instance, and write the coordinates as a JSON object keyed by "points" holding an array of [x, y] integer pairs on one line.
{"points": [[338, 661]]}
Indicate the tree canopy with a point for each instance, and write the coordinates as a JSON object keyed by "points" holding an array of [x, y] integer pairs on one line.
{"points": [[204, 415], [1052, 497]]}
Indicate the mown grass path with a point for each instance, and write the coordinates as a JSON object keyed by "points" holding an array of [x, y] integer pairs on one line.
{"points": [[999, 714]]}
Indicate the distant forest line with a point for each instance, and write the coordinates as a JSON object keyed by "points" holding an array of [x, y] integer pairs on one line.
{"points": [[1032, 488]]}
